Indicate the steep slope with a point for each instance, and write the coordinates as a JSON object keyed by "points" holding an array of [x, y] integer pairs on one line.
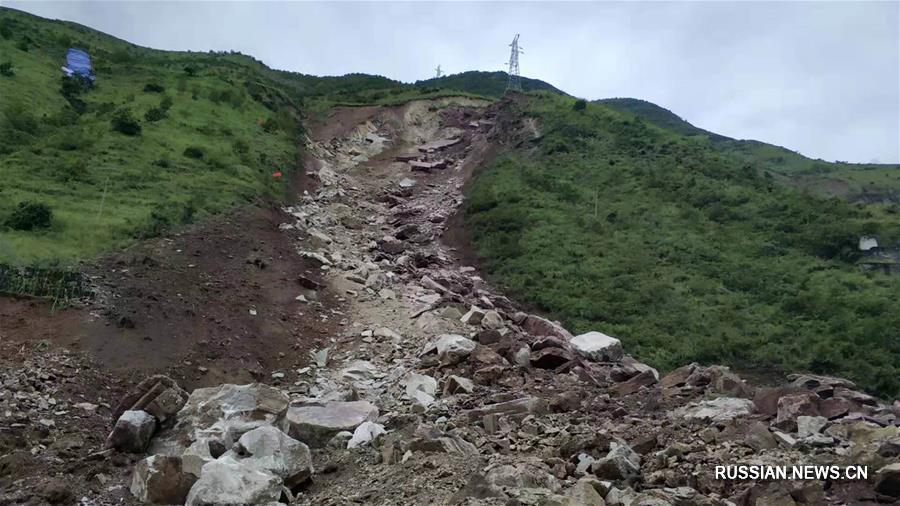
{"points": [[685, 253], [489, 84]]}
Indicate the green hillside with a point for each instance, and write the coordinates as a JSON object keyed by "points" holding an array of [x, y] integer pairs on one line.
{"points": [[686, 253], [853, 181], [162, 139], [489, 84]]}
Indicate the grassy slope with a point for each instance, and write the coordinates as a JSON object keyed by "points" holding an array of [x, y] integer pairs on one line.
{"points": [[685, 253], [855, 181], [107, 189]]}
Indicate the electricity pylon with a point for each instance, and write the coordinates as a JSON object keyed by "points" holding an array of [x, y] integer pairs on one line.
{"points": [[513, 82]]}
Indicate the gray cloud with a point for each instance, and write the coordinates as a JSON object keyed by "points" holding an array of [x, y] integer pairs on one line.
{"points": [[822, 78]]}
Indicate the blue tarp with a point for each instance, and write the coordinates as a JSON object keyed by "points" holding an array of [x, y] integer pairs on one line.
{"points": [[78, 63]]}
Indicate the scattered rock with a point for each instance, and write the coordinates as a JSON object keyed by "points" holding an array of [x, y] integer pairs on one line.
{"points": [[230, 481], [492, 320], [597, 346], [277, 453], [365, 434], [160, 479], [453, 348], [315, 425], [721, 409], [474, 316], [132, 432], [454, 384]]}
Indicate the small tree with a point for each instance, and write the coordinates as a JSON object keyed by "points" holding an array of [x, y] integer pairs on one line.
{"points": [[6, 69], [30, 216], [580, 105]]}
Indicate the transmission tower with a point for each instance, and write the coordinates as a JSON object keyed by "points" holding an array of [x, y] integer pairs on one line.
{"points": [[513, 82], [437, 72]]}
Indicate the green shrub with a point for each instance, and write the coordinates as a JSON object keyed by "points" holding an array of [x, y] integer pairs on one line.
{"points": [[125, 123], [193, 152], [240, 147], [155, 114], [30, 216], [154, 88], [6, 69], [579, 105], [76, 170], [20, 118]]}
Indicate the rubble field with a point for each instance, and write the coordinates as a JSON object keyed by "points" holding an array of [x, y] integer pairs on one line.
{"points": [[376, 366]]}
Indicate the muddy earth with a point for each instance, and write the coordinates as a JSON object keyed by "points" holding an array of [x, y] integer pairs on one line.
{"points": [[345, 349]]}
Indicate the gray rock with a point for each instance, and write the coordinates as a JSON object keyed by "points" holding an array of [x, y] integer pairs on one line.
{"points": [[232, 410], [523, 475], [598, 346], [132, 432], [454, 384], [810, 425], [315, 425], [620, 463], [196, 456], [365, 434], [784, 440], [537, 326], [583, 493], [230, 481], [160, 479], [277, 453], [453, 348], [492, 320], [473, 316], [421, 389], [721, 409]]}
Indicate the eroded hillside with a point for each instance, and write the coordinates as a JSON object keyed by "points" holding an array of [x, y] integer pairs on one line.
{"points": [[426, 385]]}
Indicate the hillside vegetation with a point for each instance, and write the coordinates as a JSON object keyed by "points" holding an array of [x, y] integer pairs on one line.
{"points": [[162, 139], [865, 182], [610, 223], [488, 84]]}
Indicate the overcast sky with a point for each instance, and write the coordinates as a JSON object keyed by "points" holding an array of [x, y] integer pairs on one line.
{"points": [[821, 78]]}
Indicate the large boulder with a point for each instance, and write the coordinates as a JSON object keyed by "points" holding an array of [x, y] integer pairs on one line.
{"points": [[316, 425], [537, 326], [453, 348], [621, 463], [132, 432], [492, 320], [228, 411], [277, 453], [598, 346], [721, 409], [160, 479], [231, 481], [524, 475]]}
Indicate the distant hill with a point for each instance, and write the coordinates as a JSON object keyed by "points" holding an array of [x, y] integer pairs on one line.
{"points": [[489, 84], [868, 182]]}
